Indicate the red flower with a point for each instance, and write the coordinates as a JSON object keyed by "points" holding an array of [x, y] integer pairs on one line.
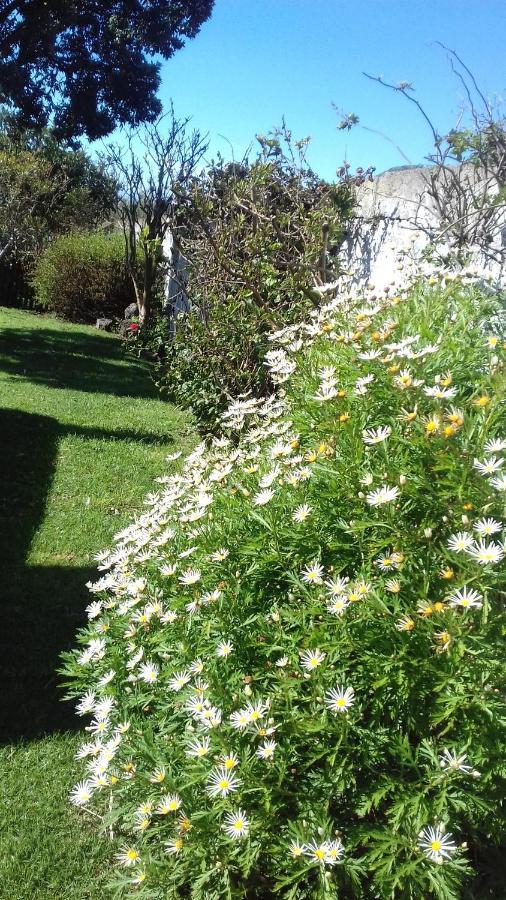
{"points": [[134, 326]]}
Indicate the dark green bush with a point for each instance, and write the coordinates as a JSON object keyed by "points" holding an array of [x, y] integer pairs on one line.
{"points": [[259, 237], [82, 276]]}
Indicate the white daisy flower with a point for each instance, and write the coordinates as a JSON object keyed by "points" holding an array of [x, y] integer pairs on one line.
{"points": [[436, 844], [224, 649], [382, 495], [81, 793], [327, 391], [174, 846], [495, 445], [148, 672], [106, 678], [168, 617], [221, 782], [311, 659], [104, 707], [313, 573], [229, 761], [339, 699], [94, 609], [296, 849], [452, 761], [486, 527], [460, 542], [197, 667], [236, 824], [335, 851], [440, 393], [361, 385], [301, 513], [466, 598], [191, 576], [209, 597], [325, 853], [281, 662], [263, 497], [86, 704], [179, 680], [376, 435], [336, 586], [128, 856], [337, 605], [257, 710], [240, 719], [169, 803], [266, 750], [489, 467], [219, 555], [485, 553], [499, 483], [199, 748]]}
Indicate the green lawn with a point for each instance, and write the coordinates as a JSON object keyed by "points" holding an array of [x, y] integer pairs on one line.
{"points": [[82, 437]]}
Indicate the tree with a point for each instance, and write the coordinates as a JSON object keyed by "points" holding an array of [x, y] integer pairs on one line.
{"points": [[149, 179], [84, 66], [46, 189], [465, 181]]}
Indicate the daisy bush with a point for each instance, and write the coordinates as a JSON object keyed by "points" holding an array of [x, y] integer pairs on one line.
{"points": [[292, 672]]}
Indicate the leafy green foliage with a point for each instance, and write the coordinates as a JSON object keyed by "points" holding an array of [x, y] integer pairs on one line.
{"points": [[84, 67], [82, 276], [258, 237], [294, 656]]}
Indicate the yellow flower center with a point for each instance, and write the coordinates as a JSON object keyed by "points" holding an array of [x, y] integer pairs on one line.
{"points": [[435, 845], [341, 702], [224, 784], [319, 854], [239, 824], [132, 854]]}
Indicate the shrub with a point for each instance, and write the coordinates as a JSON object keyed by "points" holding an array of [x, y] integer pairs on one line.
{"points": [[82, 276], [293, 658], [258, 238]]}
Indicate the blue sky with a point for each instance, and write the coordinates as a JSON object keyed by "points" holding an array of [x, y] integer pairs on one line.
{"points": [[257, 60]]}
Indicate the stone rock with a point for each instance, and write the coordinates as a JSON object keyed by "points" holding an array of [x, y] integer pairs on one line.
{"points": [[103, 324], [131, 311]]}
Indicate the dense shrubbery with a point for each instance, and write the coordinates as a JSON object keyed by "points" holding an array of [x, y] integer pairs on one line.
{"points": [[293, 661], [258, 238], [46, 189], [82, 275]]}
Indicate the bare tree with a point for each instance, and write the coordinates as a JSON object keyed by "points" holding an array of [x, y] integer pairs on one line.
{"points": [[150, 167], [466, 177]]}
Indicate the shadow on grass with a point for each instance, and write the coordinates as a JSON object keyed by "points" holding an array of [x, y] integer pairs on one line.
{"points": [[74, 360], [41, 607]]}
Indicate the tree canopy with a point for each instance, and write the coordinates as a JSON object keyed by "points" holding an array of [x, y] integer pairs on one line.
{"points": [[84, 66]]}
